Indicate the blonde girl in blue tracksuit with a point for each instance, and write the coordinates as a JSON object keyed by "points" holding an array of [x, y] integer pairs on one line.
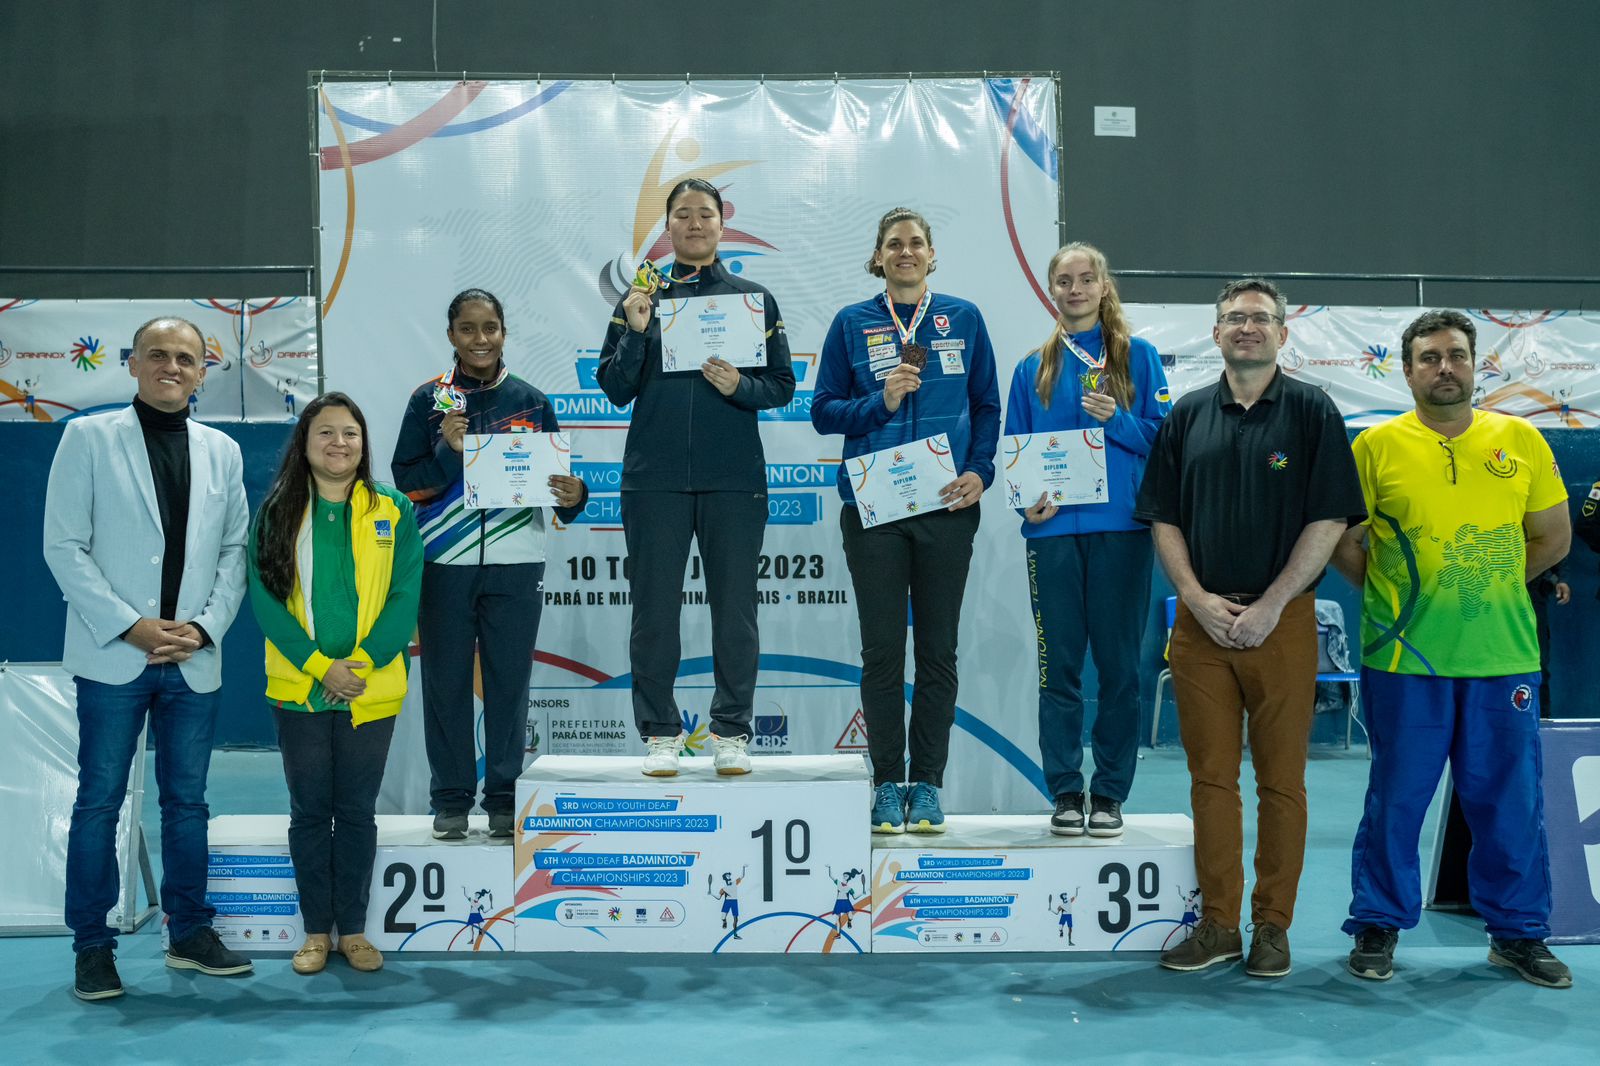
{"points": [[1089, 564]]}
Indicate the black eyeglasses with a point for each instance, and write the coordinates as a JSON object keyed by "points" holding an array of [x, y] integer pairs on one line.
{"points": [[1260, 319], [1450, 454]]}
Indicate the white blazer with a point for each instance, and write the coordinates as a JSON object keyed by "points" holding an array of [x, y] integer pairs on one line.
{"points": [[104, 544]]}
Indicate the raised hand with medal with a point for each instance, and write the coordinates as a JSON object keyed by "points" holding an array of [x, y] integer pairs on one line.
{"points": [[907, 377], [1098, 403]]}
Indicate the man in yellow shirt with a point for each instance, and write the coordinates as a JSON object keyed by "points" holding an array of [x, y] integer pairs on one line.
{"points": [[1465, 507]]}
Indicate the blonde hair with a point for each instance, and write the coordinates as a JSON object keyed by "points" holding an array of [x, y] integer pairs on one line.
{"points": [[890, 217], [1113, 329]]}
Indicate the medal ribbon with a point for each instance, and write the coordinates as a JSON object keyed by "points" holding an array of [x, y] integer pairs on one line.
{"points": [[449, 378], [1084, 357], [907, 332]]}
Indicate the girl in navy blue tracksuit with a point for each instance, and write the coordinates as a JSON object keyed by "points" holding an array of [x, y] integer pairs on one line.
{"points": [[907, 364], [1089, 564]]}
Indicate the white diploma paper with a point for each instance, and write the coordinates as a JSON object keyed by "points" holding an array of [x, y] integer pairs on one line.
{"points": [[512, 469], [731, 327], [901, 482], [1067, 466]]}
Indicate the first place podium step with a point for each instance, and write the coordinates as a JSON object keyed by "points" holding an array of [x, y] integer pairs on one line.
{"points": [[775, 860]]}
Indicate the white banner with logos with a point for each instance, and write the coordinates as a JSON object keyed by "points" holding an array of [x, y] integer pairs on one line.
{"points": [[550, 193], [1538, 365], [63, 358]]}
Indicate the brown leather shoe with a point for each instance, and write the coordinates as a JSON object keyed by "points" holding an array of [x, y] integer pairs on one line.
{"points": [[313, 954], [360, 954], [1209, 944], [1269, 952]]}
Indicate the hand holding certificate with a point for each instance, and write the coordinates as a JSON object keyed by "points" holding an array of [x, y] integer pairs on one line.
{"points": [[731, 327], [514, 469], [1067, 468], [903, 481]]}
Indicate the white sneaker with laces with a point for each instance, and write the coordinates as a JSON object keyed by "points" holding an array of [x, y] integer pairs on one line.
{"points": [[661, 756], [729, 755]]}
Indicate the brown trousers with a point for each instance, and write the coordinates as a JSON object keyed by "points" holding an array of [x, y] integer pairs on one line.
{"points": [[1214, 686]]}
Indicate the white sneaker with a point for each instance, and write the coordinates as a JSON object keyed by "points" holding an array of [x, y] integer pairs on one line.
{"points": [[661, 756], [729, 756]]}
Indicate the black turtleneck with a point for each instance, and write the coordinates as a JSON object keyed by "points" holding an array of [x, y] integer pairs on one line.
{"points": [[166, 438]]}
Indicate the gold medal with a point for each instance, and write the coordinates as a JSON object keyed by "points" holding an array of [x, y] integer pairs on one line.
{"points": [[650, 279]]}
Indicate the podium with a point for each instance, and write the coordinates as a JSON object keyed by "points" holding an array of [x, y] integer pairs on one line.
{"points": [[772, 861], [427, 895], [1004, 883]]}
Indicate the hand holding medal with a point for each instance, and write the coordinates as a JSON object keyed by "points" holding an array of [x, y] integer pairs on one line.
{"points": [[637, 306], [1098, 403]]}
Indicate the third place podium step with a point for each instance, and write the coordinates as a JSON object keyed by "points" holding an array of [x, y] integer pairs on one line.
{"points": [[1004, 883]]}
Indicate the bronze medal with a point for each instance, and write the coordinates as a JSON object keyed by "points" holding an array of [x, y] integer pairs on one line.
{"points": [[914, 354]]}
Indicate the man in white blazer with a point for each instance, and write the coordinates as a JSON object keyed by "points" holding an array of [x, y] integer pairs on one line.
{"points": [[145, 528]]}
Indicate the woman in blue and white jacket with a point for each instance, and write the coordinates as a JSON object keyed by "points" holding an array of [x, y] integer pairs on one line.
{"points": [[1089, 564], [907, 364]]}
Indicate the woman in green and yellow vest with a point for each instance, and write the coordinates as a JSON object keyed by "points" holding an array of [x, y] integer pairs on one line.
{"points": [[335, 574]]}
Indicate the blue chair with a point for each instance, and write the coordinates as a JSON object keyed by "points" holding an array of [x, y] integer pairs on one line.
{"points": [[1351, 678]]}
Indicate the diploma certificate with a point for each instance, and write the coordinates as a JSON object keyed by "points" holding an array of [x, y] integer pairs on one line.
{"points": [[512, 469], [901, 482], [731, 327], [1067, 466]]}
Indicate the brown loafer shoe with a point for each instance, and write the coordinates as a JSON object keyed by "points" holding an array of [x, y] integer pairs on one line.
{"points": [[1269, 952], [313, 954], [360, 953], [1209, 944]]}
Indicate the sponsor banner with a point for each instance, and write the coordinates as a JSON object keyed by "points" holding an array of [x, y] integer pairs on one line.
{"points": [[610, 860], [60, 358], [1005, 884], [279, 353], [1538, 365]]}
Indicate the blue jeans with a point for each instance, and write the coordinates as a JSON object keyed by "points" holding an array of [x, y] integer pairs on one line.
{"points": [[109, 720]]}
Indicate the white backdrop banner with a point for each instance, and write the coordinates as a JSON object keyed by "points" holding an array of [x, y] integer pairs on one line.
{"points": [[1538, 365], [550, 193], [61, 358]]}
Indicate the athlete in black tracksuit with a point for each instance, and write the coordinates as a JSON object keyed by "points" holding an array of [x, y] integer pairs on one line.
{"points": [[693, 465]]}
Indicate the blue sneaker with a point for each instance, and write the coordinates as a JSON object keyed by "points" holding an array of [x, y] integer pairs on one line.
{"points": [[889, 808], [924, 814]]}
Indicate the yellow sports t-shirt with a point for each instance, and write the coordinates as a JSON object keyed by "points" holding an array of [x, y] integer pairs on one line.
{"points": [[1446, 591]]}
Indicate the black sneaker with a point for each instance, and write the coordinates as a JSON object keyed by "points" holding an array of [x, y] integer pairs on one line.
{"points": [[1068, 819], [202, 950], [501, 824], [450, 825], [1373, 955], [96, 976], [1532, 961], [1105, 817]]}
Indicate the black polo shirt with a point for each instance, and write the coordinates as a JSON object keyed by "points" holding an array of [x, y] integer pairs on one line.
{"points": [[1243, 483]]}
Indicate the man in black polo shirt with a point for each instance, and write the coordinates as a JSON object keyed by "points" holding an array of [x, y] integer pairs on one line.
{"points": [[1249, 486]]}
